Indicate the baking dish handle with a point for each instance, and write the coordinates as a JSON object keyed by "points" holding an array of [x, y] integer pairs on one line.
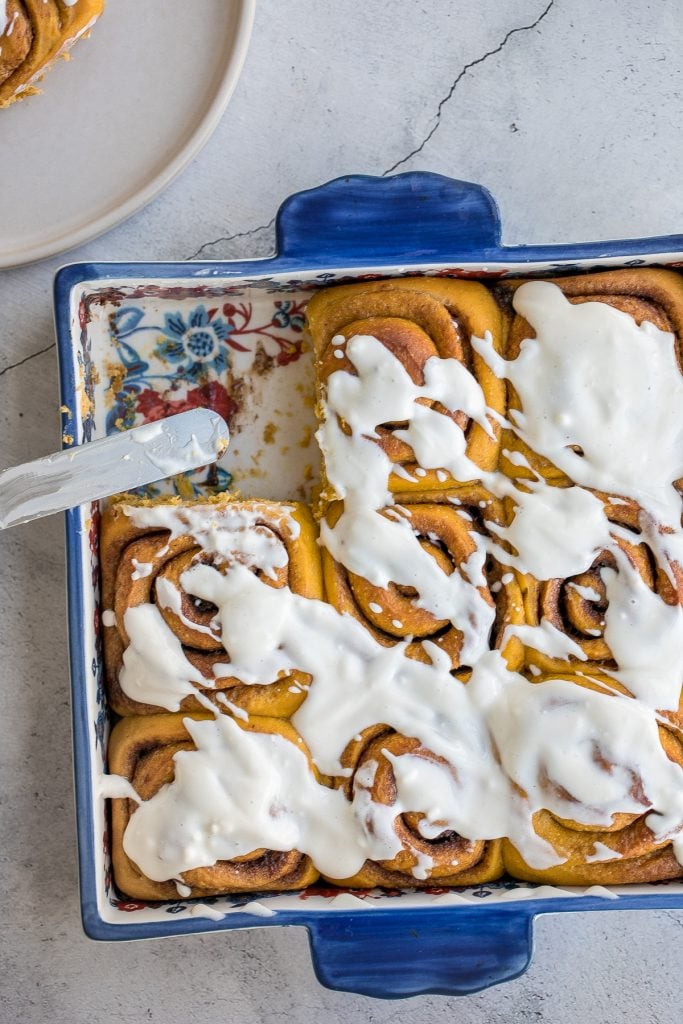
{"points": [[360, 218], [453, 951]]}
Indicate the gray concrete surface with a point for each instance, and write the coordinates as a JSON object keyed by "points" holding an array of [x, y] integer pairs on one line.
{"points": [[570, 113]]}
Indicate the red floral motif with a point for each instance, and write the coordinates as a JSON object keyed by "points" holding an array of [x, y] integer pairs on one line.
{"points": [[319, 890], [331, 892], [289, 352], [129, 905], [287, 315], [94, 545], [475, 274], [153, 406], [83, 314], [94, 532]]}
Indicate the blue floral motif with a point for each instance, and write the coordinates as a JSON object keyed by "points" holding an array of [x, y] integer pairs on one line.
{"points": [[285, 317], [126, 320], [177, 358], [198, 342]]}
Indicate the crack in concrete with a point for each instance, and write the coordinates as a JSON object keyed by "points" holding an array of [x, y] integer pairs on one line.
{"points": [[418, 149], [459, 77], [230, 238], [27, 359]]}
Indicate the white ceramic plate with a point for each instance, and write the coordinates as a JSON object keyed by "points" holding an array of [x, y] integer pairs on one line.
{"points": [[118, 122]]}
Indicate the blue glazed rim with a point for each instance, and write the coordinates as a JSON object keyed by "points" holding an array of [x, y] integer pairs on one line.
{"points": [[365, 223]]}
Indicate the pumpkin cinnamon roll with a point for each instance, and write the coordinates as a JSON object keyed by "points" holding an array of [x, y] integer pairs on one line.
{"points": [[608, 779], [450, 536], [162, 644], [428, 851], [421, 325], [193, 803], [33, 35], [579, 606], [646, 295]]}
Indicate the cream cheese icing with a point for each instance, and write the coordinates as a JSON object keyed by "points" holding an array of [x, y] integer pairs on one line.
{"points": [[514, 746]]}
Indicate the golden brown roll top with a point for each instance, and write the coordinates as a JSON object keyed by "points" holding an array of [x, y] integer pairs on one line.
{"points": [[415, 319], [449, 533], [578, 606], [142, 750], [644, 294], [429, 855], [16, 39], [144, 565], [621, 850], [36, 33]]}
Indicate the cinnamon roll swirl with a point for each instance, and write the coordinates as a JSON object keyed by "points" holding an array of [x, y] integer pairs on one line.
{"points": [[416, 320], [147, 549], [145, 752], [578, 606], [429, 851], [646, 295], [450, 534], [612, 843]]}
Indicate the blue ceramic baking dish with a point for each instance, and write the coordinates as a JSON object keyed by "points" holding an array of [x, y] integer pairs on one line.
{"points": [[125, 340]]}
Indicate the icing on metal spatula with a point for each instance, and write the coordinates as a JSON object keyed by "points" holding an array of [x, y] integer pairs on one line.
{"points": [[121, 462]]}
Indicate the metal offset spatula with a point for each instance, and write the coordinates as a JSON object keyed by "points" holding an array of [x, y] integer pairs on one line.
{"points": [[130, 459]]}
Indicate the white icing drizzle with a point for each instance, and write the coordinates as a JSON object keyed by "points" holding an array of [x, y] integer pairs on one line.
{"points": [[382, 391], [555, 730], [229, 534], [384, 551], [168, 596], [141, 569], [544, 531], [240, 712], [148, 432], [587, 593], [602, 853], [529, 723], [278, 805], [204, 910], [593, 378], [547, 639], [257, 909], [113, 787], [645, 636], [374, 546], [601, 892], [511, 746], [155, 669]]}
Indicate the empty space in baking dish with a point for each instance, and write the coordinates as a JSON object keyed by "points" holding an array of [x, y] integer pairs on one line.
{"points": [[143, 348]]}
